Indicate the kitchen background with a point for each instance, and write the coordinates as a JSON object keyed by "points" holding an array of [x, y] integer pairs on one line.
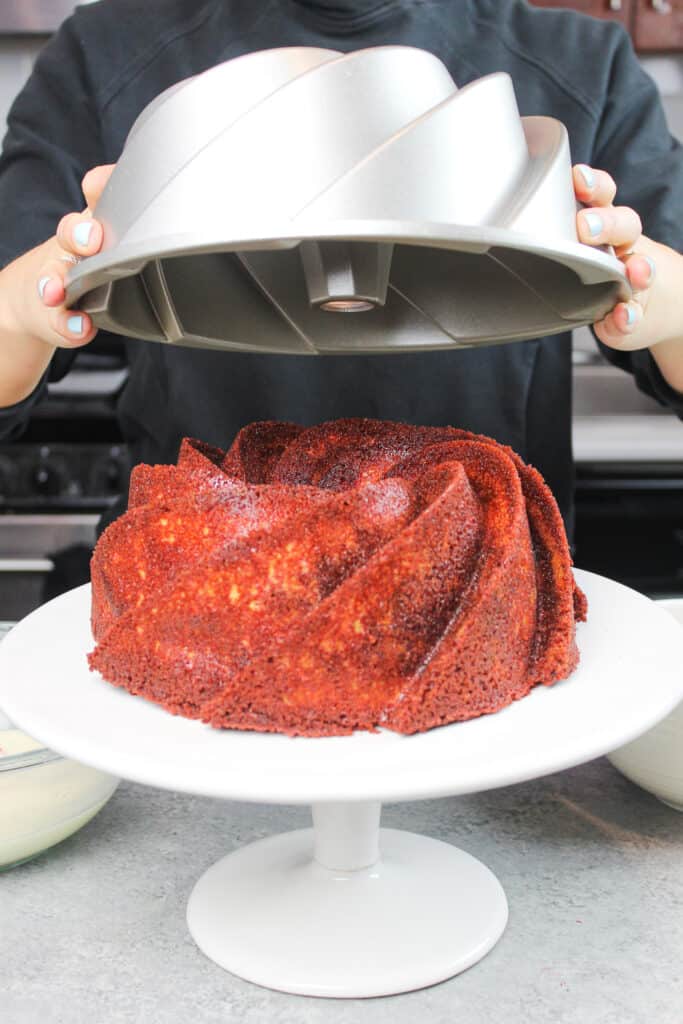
{"points": [[56, 480]]}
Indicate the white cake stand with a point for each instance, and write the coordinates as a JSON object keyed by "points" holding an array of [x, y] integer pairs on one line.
{"points": [[346, 909]]}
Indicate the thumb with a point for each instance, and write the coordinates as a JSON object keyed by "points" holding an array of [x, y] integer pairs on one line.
{"points": [[93, 183]]}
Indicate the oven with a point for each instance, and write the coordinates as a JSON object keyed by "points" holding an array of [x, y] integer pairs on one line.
{"points": [[629, 479], [629, 524], [56, 481]]}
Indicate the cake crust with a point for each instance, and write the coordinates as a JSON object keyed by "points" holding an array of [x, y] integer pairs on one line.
{"points": [[353, 575]]}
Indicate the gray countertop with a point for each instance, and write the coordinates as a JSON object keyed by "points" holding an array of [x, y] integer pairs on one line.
{"points": [[93, 931]]}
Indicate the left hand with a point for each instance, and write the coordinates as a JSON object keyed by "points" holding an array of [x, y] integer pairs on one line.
{"points": [[654, 271]]}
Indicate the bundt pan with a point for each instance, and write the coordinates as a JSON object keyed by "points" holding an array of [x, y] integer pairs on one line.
{"points": [[306, 201]]}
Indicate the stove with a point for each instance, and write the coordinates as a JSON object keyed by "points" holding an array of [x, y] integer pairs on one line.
{"points": [[57, 479], [629, 478]]}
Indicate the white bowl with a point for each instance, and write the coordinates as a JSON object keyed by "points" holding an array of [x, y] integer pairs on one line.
{"points": [[654, 761]]}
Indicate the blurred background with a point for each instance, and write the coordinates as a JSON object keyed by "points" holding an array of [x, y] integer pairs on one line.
{"points": [[68, 467]]}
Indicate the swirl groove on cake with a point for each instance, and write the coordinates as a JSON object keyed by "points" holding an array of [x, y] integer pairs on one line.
{"points": [[354, 575]]}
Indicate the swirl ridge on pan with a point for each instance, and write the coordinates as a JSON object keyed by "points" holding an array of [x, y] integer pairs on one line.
{"points": [[252, 197]]}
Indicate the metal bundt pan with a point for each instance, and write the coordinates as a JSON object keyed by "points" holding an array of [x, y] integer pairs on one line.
{"points": [[258, 202]]}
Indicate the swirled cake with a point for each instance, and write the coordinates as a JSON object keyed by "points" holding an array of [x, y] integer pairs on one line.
{"points": [[353, 575]]}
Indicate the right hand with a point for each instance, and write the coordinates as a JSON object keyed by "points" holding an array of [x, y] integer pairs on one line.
{"points": [[34, 320], [78, 235]]}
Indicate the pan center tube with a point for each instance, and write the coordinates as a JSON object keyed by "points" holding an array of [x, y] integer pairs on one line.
{"points": [[346, 277]]}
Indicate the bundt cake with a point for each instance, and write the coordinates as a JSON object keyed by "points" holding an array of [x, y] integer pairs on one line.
{"points": [[353, 575]]}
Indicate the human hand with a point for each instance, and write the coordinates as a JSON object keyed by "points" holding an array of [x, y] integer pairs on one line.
{"points": [[34, 320], [78, 235], [647, 318], [653, 317]]}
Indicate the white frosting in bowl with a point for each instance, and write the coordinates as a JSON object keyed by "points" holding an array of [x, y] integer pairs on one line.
{"points": [[43, 797], [13, 741]]}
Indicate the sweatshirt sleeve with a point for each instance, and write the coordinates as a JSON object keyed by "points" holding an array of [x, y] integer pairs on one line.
{"points": [[52, 139], [634, 145]]}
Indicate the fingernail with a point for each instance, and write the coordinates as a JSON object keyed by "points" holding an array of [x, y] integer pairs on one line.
{"points": [[653, 269], [75, 324], [630, 316], [42, 285], [587, 175], [81, 233], [594, 222]]}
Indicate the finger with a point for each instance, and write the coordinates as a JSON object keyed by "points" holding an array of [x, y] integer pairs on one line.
{"points": [[93, 183], [595, 188], [619, 328], [640, 271], [51, 282], [71, 327], [609, 225], [79, 234]]}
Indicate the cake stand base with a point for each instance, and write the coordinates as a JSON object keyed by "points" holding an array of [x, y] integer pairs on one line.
{"points": [[324, 912]]}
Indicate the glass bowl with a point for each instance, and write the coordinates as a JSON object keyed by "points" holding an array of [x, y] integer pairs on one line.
{"points": [[44, 798]]}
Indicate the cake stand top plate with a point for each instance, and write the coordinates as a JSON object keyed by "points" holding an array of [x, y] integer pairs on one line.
{"points": [[629, 678]]}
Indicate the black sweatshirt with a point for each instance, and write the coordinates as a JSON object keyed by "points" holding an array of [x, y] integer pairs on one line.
{"points": [[112, 58]]}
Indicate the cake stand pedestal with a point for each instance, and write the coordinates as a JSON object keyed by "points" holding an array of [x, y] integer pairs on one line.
{"points": [[347, 909]]}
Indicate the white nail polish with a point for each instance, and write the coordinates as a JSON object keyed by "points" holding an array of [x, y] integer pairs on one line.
{"points": [[594, 222], [587, 175], [82, 233]]}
